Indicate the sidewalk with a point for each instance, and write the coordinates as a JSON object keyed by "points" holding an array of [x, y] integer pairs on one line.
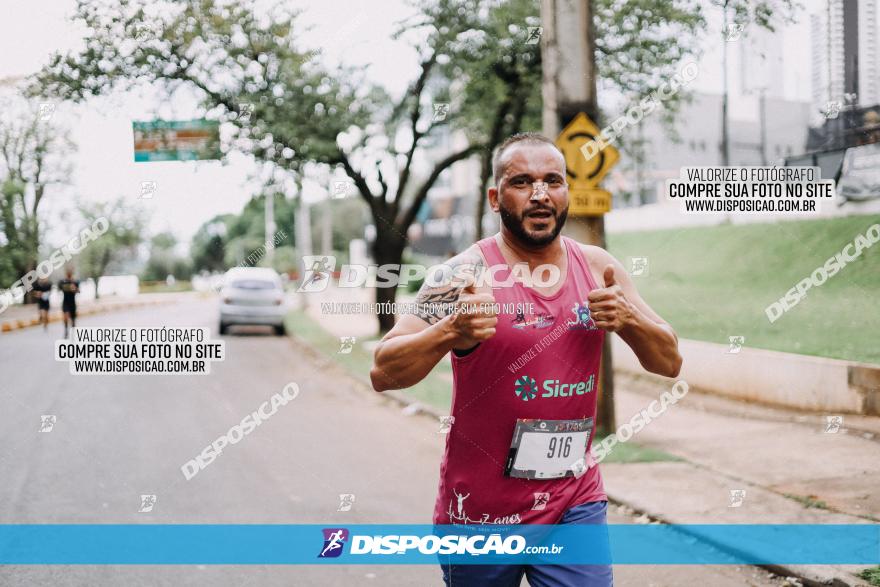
{"points": [[25, 316], [791, 470]]}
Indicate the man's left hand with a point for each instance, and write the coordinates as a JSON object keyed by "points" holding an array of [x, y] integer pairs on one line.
{"points": [[609, 308]]}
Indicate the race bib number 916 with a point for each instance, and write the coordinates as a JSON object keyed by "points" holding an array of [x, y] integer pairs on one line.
{"points": [[547, 449]]}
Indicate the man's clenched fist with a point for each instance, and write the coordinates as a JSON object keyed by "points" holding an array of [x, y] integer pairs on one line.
{"points": [[474, 318], [609, 308]]}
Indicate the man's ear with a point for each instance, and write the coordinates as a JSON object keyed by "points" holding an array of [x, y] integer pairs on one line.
{"points": [[492, 193]]}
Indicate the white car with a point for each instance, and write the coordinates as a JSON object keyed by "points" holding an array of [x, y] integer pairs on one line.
{"points": [[252, 296]]}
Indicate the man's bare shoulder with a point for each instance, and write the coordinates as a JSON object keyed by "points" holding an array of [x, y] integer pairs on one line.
{"points": [[596, 255], [470, 256], [436, 298]]}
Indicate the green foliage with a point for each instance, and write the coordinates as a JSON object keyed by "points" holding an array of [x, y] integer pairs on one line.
{"points": [[208, 246], [244, 61], [808, 501], [246, 232], [119, 243], [872, 575], [229, 240], [492, 69], [766, 14], [34, 157], [164, 261], [640, 44], [15, 256], [286, 108]]}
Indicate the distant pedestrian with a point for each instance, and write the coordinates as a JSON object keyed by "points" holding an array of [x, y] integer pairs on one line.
{"points": [[69, 287], [43, 287]]}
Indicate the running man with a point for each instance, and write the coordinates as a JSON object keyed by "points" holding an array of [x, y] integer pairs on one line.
{"points": [[69, 287], [43, 288], [334, 543], [320, 270], [505, 393]]}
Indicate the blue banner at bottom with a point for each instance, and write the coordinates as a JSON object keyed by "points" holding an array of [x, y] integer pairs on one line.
{"points": [[295, 544]]}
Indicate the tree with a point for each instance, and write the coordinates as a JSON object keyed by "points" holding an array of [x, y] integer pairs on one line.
{"points": [[229, 240], [640, 46], [121, 240], [285, 107], [33, 155], [164, 261], [208, 245], [497, 68]]}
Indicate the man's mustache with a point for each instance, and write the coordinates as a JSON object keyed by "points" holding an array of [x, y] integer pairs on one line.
{"points": [[539, 209]]}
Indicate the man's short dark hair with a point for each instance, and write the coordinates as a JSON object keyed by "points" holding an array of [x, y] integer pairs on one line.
{"points": [[533, 138]]}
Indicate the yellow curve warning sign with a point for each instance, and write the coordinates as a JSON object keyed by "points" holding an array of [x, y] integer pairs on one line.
{"points": [[586, 167]]}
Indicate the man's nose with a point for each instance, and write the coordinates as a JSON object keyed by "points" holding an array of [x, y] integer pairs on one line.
{"points": [[539, 190]]}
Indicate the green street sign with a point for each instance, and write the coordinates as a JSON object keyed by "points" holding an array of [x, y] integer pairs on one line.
{"points": [[176, 140]]}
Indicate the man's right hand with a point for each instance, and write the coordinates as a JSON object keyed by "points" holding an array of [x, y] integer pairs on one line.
{"points": [[474, 318], [450, 315]]}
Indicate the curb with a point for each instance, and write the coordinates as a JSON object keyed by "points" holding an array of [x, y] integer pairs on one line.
{"points": [[57, 316], [776, 569]]}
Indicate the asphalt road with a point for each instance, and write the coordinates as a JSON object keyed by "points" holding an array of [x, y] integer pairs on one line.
{"points": [[117, 437]]}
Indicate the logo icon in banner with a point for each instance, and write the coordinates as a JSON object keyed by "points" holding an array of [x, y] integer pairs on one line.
{"points": [[334, 541]]}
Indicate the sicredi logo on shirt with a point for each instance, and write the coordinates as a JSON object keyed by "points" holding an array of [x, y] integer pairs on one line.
{"points": [[525, 388]]}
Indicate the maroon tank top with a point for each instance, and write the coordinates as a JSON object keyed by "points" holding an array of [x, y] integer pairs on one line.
{"points": [[542, 363]]}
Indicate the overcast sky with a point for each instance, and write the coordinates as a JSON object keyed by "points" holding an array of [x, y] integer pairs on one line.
{"points": [[190, 193]]}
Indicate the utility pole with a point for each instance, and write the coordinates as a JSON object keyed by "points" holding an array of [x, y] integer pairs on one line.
{"points": [[327, 228], [269, 243], [569, 87], [763, 106], [725, 131], [303, 233]]}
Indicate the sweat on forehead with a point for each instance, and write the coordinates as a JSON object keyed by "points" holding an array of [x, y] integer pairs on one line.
{"points": [[540, 146]]}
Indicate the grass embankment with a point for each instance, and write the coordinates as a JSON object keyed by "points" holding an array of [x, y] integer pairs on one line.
{"points": [[714, 282], [162, 287], [434, 390], [872, 576]]}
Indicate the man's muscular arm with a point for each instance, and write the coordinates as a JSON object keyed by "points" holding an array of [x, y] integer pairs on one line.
{"points": [[618, 307], [418, 341]]}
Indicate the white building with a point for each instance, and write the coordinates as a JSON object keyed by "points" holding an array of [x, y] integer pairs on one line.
{"points": [[761, 62], [698, 125], [845, 53]]}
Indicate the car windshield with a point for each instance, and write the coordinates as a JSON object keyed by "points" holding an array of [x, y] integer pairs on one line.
{"points": [[253, 284]]}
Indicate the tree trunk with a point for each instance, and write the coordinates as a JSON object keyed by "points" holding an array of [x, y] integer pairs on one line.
{"points": [[388, 249], [485, 174]]}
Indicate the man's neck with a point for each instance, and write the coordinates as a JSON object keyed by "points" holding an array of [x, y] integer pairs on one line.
{"points": [[534, 256]]}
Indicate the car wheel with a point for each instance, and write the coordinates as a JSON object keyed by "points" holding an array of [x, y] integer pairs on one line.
{"points": [[279, 330], [223, 328]]}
